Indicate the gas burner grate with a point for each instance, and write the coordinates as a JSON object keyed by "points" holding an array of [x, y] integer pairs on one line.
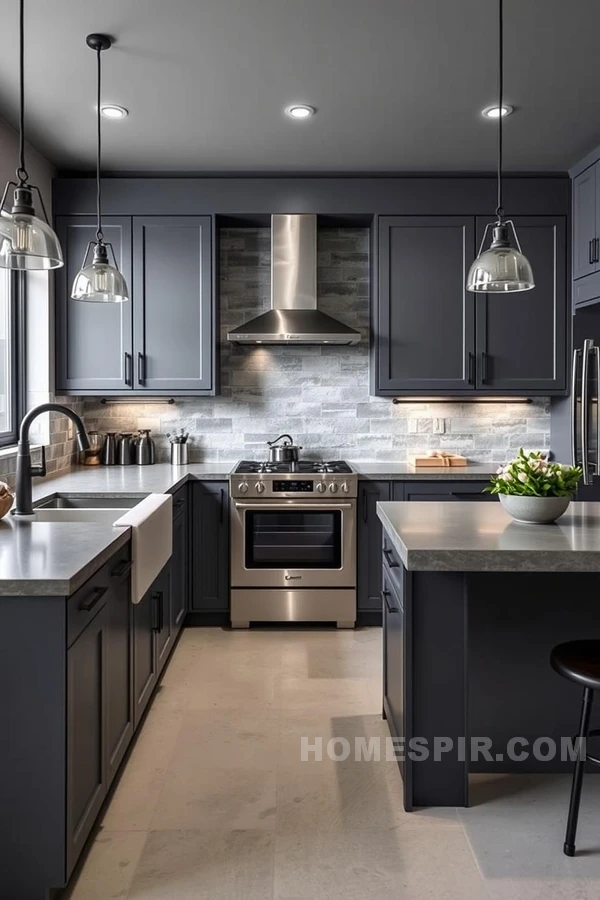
{"points": [[307, 467]]}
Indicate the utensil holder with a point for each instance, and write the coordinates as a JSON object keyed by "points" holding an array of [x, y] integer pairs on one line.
{"points": [[179, 454]]}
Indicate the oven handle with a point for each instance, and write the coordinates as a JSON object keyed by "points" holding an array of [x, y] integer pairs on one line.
{"points": [[291, 504]]}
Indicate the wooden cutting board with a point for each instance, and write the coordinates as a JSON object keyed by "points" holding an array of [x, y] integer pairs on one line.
{"points": [[450, 459]]}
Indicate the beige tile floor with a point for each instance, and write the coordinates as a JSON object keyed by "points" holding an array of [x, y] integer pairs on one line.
{"points": [[216, 804]]}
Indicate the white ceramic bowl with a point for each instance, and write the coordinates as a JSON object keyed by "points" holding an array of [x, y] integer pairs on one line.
{"points": [[534, 510]]}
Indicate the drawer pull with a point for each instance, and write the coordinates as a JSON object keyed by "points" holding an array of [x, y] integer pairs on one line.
{"points": [[391, 609], [92, 600], [389, 558], [122, 568]]}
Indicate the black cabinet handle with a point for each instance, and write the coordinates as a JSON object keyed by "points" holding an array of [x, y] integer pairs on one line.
{"points": [[484, 367], [389, 558], [222, 505], [365, 506], [122, 568], [128, 369], [141, 368], [596, 250], [96, 595], [384, 596], [591, 251], [179, 503], [471, 376]]}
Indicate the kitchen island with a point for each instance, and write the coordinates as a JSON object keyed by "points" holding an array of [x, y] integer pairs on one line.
{"points": [[473, 604]]}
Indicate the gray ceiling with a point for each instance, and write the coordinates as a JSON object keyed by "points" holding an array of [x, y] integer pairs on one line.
{"points": [[399, 84]]}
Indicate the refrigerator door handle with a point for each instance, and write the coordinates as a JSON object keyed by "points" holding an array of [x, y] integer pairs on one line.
{"points": [[574, 396], [585, 412]]}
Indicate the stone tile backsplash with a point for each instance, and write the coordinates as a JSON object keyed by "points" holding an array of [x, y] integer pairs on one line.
{"points": [[320, 395]]}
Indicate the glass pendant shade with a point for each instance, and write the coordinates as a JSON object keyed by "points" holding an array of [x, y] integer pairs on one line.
{"points": [[502, 268], [26, 241], [100, 282]]}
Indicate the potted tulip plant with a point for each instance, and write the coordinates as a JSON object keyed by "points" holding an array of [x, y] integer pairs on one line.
{"points": [[533, 490]]}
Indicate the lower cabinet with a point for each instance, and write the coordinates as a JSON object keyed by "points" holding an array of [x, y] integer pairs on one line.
{"points": [[370, 493], [210, 547], [86, 732], [393, 653], [151, 639], [180, 561]]}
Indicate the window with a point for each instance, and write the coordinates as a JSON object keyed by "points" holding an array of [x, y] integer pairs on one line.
{"points": [[12, 361]]}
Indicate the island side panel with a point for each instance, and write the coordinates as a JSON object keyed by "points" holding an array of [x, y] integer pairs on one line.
{"points": [[436, 687], [32, 751], [515, 618]]}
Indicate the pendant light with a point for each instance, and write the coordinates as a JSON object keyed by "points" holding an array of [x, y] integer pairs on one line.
{"points": [[100, 281], [26, 241], [502, 268]]}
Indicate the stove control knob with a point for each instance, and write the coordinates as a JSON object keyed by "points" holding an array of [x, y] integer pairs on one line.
{"points": [[333, 487], [321, 487], [243, 487], [260, 488], [345, 487]]}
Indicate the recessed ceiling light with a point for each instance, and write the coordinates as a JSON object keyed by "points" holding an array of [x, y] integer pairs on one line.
{"points": [[114, 112], [493, 112], [300, 111]]}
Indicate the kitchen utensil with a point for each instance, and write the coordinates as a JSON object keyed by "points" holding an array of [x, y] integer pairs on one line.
{"points": [[145, 451], [283, 453], [179, 453], [124, 449], [108, 456], [91, 457]]}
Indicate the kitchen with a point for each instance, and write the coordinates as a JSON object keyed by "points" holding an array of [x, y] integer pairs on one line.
{"points": [[241, 548]]}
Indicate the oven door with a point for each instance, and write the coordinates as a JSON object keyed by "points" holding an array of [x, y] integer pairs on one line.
{"points": [[290, 544]]}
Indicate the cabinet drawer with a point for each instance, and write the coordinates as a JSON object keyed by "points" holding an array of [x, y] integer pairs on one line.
{"points": [[446, 490], [85, 603]]}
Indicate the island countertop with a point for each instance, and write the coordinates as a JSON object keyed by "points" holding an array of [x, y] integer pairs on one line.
{"points": [[481, 537]]}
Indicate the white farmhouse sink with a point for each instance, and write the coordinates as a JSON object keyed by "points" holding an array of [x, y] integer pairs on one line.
{"points": [[98, 515]]}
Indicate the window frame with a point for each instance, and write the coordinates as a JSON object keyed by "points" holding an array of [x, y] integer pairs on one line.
{"points": [[18, 357]]}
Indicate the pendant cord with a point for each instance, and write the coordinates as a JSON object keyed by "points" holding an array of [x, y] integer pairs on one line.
{"points": [[22, 174], [99, 234], [499, 208]]}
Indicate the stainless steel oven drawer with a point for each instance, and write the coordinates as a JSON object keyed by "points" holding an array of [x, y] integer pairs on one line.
{"points": [[314, 605]]}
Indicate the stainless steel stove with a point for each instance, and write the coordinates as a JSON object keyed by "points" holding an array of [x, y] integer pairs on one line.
{"points": [[293, 542]]}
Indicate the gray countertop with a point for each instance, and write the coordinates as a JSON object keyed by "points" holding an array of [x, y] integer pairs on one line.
{"points": [[481, 537], [390, 471]]}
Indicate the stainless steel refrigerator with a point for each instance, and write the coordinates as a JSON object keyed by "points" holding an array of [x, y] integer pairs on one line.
{"points": [[575, 420]]}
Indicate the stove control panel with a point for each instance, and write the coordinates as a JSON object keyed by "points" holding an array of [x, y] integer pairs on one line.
{"points": [[293, 487]]}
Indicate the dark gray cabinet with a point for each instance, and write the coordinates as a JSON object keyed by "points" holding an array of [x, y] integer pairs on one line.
{"points": [[161, 341], [424, 330], [370, 493], [93, 340], [521, 338], [586, 223], [180, 580], [87, 662], [161, 592], [394, 656], [119, 668], [172, 304], [444, 491], [433, 337], [210, 547], [145, 673]]}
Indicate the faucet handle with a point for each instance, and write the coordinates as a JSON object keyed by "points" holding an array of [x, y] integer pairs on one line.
{"points": [[40, 471]]}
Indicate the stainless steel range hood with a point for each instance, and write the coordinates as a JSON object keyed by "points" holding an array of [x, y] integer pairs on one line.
{"points": [[294, 317]]}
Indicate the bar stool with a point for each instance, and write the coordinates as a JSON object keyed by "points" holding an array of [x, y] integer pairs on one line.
{"points": [[579, 661]]}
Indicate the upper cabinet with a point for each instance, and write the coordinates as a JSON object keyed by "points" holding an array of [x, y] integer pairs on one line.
{"points": [[160, 342], [432, 337], [586, 236]]}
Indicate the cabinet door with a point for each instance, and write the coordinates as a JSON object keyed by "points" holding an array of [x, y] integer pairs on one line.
{"points": [[179, 562], [161, 591], [369, 543], [173, 304], [93, 340], [425, 325], [210, 546], [86, 744], [584, 222], [444, 491], [522, 336], [119, 670], [393, 642], [145, 671]]}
